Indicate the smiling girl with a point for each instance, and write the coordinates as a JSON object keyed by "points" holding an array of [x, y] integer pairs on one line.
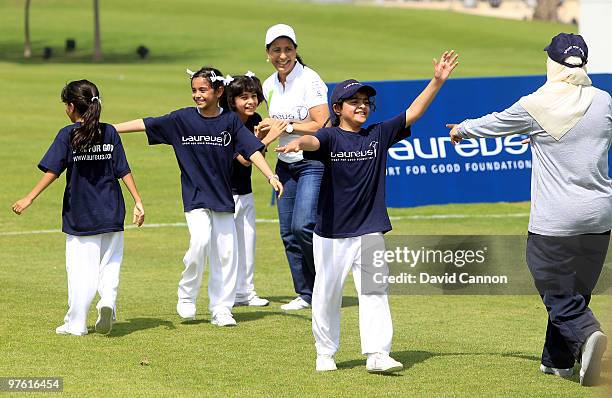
{"points": [[352, 215], [205, 139], [244, 94]]}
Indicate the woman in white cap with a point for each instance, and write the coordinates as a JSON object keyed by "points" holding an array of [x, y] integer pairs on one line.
{"points": [[296, 94], [569, 123]]}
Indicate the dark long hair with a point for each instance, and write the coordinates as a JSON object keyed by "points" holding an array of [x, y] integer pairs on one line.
{"points": [[85, 97], [208, 72], [242, 84]]}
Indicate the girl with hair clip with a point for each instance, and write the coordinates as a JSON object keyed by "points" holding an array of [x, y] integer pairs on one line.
{"points": [[205, 139], [93, 209], [296, 94], [243, 95], [351, 214]]}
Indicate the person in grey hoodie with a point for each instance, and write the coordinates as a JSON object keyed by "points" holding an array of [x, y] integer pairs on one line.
{"points": [[569, 123]]}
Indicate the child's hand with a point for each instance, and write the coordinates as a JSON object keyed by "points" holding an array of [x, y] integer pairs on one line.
{"points": [[139, 214], [454, 135], [276, 184], [293, 146], [276, 129], [21, 205], [444, 67]]}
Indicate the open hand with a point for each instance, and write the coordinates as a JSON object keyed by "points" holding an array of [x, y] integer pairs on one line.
{"points": [[293, 146], [444, 67], [276, 184]]}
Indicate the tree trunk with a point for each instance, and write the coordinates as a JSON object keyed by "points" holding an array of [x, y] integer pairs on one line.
{"points": [[97, 55], [27, 47], [546, 10]]}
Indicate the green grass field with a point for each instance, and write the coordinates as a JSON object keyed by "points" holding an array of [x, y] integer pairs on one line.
{"points": [[450, 345]]}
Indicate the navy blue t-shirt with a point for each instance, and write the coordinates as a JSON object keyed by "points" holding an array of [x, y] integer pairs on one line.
{"points": [[352, 197], [205, 148], [241, 175], [93, 203]]}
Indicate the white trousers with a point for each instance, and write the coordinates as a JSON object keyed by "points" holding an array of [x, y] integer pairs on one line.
{"points": [[244, 218], [334, 258], [213, 236], [92, 264]]}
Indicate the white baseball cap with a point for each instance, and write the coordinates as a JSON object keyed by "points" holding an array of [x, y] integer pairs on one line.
{"points": [[276, 31]]}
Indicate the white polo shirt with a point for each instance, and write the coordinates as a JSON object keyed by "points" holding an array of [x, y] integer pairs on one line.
{"points": [[303, 90]]}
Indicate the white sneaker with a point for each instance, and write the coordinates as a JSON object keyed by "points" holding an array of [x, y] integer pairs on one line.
{"points": [[104, 324], [254, 301], [65, 330], [186, 310], [223, 319], [592, 351], [325, 363], [297, 303], [379, 362], [565, 373]]}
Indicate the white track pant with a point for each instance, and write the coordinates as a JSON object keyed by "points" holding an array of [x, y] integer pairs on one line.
{"points": [[213, 236], [244, 217], [92, 264], [334, 258]]}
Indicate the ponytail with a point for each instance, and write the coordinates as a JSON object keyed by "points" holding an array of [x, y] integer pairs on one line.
{"points": [[85, 98]]}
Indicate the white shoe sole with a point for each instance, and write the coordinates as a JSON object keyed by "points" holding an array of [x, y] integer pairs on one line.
{"points": [[392, 369], [591, 375], [223, 325], [104, 324], [185, 317]]}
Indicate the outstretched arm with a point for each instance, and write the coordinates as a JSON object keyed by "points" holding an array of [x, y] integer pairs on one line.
{"points": [[139, 213], [259, 162], [514, 120], [442, 70], [22, 204], [304, 143], [130, 127]]}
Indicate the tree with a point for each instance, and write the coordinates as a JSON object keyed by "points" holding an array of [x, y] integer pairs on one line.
{"points": [[27, 47], [97, 55], [546, 10]]}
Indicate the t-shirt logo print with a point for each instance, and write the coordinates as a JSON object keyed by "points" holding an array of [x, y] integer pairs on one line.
{"points": [[223, 139], [355, 156]]}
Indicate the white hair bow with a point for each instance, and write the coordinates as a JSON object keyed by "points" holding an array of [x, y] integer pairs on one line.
{"points": [[228, 79], [190, 73], [249, 74], [215, 78]]}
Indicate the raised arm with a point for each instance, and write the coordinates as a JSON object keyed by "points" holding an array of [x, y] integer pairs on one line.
{"points": [[130, 127], [25, 202], [442, 70], [139, 213]]}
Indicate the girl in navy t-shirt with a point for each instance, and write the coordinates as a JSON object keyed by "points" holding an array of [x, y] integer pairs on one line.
{"points": [[243, 95], [352, 216], [93, 209], [205, 139]]}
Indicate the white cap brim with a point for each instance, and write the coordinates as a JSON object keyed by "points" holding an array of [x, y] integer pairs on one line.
{"points": [[280, 30]]}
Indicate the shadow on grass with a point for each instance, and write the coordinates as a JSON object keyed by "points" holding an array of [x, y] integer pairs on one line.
{"points": [[13, 52], [257, 315], [132, 325], [407, 358], [349, 301]]}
